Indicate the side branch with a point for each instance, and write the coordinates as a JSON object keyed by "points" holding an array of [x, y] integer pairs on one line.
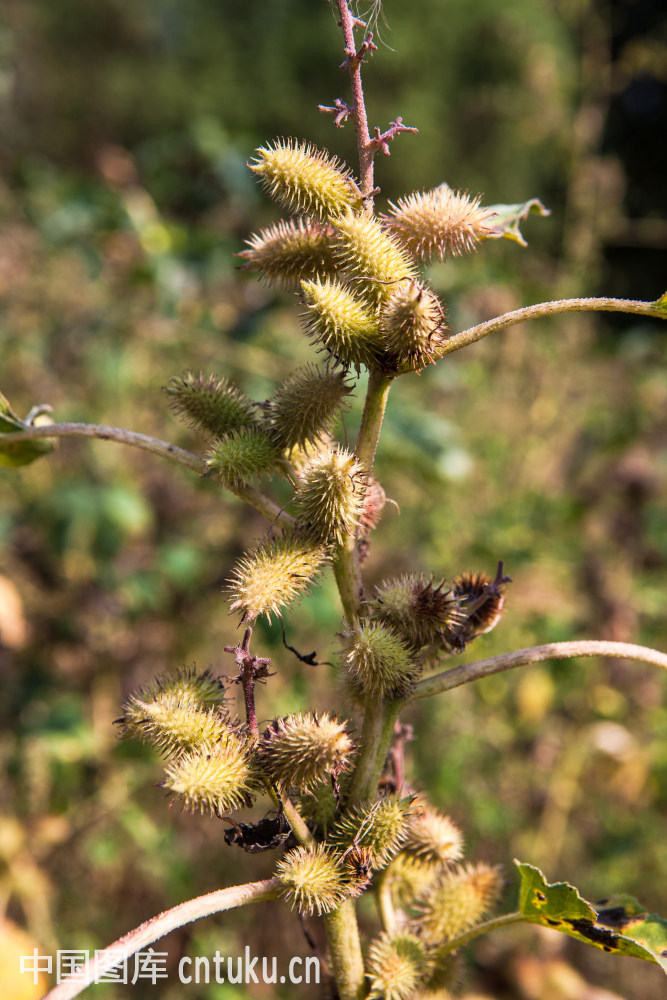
{"points": [[469, 672], [475, 333], [163, 449], [119, 434], [157, 927]]}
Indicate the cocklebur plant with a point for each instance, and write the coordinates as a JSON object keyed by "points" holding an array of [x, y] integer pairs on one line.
{"points": [[337, 801]]}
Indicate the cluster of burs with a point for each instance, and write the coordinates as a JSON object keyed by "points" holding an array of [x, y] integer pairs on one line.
{"points": [[364, 304]]}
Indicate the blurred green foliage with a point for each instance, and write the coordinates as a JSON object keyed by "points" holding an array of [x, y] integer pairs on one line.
{"points": [[124, 197]]}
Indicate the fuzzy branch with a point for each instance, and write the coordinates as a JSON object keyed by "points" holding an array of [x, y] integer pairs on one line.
{"points": [[475, 333], [163, 449], [118, 434], [157, 927], [469, 672]]}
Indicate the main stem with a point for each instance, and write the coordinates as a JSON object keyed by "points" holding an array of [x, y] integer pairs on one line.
{"points": [[364, 145], [341, 926], [347, 963], [346, 560], [376, 734]]}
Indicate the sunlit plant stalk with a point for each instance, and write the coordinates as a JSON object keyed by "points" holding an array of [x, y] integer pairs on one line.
{"points": [[366, 305]]}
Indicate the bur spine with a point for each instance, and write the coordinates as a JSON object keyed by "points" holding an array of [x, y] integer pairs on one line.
{"points": [[413, 327], [419, 610], [434, 839], [459, 900], [482, 601], [177, 713], [372, 257], [380, 828]]}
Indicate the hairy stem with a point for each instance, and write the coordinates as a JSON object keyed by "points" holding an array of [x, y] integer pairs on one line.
{"points": [[163, 449], [469, 672], [475, 333], [364, 145], [156, 928], [347, 964]]}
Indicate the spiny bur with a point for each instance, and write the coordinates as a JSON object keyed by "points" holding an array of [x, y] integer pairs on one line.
{"points": [[434, 839], [375, 499], [303, 750], [418, 610], [320, 808], [440, 222], [381, 828], [304, 179], [372, 257], [275, 575], [413, 327], [219, 779], [341, 322], [242, 457], [330, 494], [312, 880], [397, 964], [211, 405], [408, 879], [445, 976], [458, 901], [358, 868], [177, 713], [173, 729], [289, 251], [482, 601], [306, 404], [378, 660], [301, 455], [185, 686]]}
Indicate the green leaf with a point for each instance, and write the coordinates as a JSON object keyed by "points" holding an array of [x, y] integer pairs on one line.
{"points": [[507, 219], [661, 304], [16, 453], [619, 925]]}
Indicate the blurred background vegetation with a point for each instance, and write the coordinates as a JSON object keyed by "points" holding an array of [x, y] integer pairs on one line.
{"points": [[124, 195]]}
